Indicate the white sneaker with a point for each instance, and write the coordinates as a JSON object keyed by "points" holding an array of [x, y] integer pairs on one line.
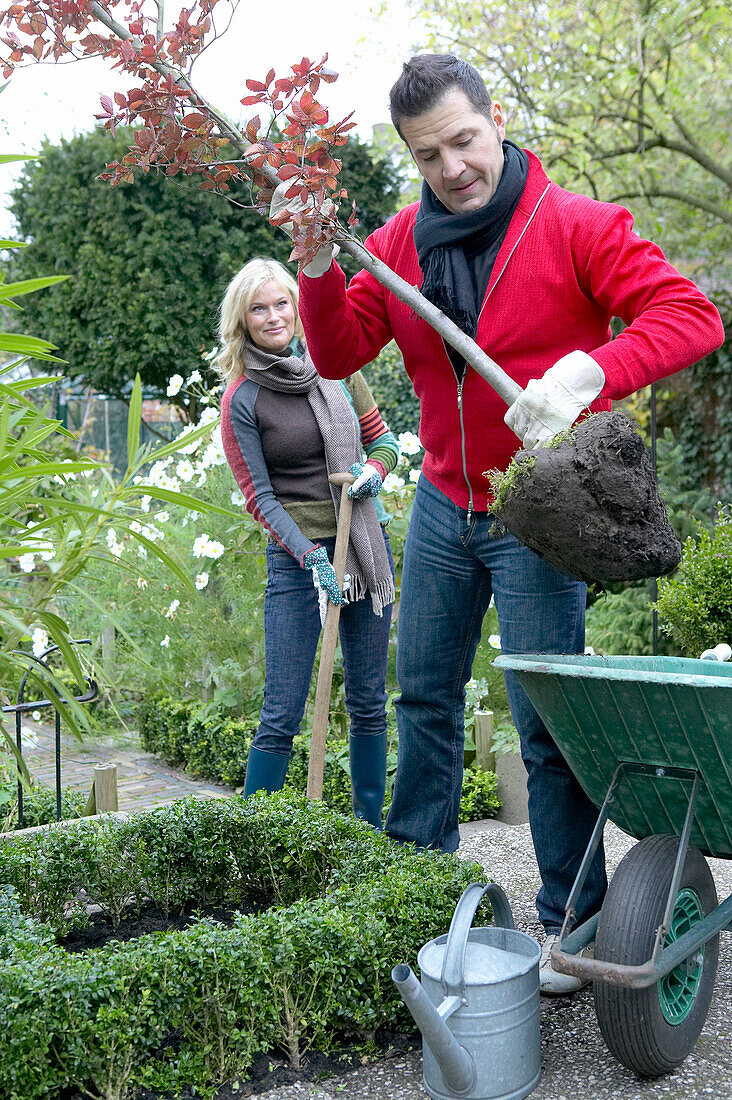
{"points": [[551, 982]]}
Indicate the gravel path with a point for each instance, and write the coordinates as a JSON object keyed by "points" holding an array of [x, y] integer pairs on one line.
{"points": [[576, 1064]]}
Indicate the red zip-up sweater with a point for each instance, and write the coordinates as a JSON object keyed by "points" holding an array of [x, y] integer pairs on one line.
{"points": [[567, 265]]}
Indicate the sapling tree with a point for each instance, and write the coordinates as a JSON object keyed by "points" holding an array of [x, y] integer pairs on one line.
{"points": [[178, 132]]}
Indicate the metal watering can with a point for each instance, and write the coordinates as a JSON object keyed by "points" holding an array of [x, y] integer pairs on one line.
{"points": [[478, 1005]]}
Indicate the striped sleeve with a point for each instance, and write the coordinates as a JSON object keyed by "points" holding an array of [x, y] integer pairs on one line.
{"points": [[378, 442], [243, 450]]}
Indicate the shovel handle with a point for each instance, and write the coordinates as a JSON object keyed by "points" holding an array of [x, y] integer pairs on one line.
{"points": [[321, 709]]}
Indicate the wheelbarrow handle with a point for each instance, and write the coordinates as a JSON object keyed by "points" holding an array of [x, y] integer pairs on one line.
{"points": [[321, 708]]}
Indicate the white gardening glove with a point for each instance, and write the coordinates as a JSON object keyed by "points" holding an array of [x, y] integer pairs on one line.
{"points": [[324, 257], [552, 403]]}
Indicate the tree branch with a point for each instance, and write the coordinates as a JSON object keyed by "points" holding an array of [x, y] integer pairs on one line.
{"points": [[504, 386], [678, 196]]}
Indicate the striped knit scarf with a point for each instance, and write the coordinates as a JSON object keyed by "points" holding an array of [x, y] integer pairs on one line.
{"points": [[367, 561]]}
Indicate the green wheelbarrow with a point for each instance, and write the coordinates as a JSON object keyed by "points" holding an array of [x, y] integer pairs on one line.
{"points": [[650, 741]]}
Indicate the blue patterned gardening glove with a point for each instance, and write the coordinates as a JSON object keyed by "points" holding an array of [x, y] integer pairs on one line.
{"points": [[368, 481], [323, 573]]}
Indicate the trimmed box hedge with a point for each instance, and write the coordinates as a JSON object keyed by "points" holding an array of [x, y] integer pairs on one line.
{"points": [[209, 744], [194, 1008]]}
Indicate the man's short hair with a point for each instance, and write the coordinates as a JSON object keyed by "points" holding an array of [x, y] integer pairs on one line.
{"points": [[425, 79]]}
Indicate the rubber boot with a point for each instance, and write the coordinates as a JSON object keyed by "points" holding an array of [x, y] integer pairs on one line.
{"points": [[368, 777], [266, 771]]}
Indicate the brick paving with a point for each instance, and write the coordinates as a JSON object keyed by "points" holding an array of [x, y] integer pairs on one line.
{"points": [[143, 780]]}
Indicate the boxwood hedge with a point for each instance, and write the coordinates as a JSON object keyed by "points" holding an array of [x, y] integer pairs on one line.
{"points": [[194, 1008], [215, 746]]}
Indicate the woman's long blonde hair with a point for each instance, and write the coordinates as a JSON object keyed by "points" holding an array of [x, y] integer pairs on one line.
{"points": [[238, 298]]}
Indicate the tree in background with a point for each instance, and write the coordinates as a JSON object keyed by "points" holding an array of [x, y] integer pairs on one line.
{"points": [[149, 260], [626, 101]]}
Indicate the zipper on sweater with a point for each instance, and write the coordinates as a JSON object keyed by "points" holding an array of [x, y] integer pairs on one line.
{"points": [[460, 385]]}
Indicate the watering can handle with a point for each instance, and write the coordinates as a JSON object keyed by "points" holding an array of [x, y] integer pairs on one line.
{"points": [[453, 966]]}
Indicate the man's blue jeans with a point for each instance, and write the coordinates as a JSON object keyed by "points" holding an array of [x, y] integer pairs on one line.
{"points": [[451, 569], [291, 632]]}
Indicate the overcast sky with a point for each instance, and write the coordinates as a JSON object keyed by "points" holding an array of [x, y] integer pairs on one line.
{"points": [[60, 100]]}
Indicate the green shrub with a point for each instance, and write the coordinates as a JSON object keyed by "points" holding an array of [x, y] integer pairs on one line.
{"points": [[39, 805], [214, 746], [695, 605], [192, 1008]]}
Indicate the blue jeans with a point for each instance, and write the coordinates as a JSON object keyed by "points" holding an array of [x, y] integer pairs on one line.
{"points": [[451, 569], [291, 632]]}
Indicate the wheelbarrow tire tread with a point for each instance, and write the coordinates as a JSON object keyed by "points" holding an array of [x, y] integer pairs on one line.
{"points": [[631, 1020]]}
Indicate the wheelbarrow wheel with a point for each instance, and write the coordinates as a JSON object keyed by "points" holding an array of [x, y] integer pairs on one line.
{"points": [[652, 1030]]}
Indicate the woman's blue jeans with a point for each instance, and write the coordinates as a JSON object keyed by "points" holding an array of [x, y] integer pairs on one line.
{"points": [[291, 631], [451, 569]]}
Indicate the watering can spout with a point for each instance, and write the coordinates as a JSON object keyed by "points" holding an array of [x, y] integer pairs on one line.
{"points": [[456, 1064]]}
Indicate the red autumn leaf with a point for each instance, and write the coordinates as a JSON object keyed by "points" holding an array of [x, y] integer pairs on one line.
{"points": [[38, 23], [120, 99], [248, 100], [269, 78], [38, 47], [255, 86], [193, 121], [106, 103], [274, 159], [328, 75], [306, 101], [288, 171]]}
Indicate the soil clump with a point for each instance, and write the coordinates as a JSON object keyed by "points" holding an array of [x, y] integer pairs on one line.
{"points": [[590, 505]]}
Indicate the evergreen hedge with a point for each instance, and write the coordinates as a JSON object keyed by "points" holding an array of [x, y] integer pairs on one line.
{"points": [[192, 1008], [211, 745]]}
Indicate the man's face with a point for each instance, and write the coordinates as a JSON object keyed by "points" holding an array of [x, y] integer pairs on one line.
{"points": [[458, 151]]}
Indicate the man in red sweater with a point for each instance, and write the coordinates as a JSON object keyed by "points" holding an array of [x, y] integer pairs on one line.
{"points": [[534, 274]]}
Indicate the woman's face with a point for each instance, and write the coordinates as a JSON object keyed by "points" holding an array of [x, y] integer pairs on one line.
{"points": [[270, 319]]}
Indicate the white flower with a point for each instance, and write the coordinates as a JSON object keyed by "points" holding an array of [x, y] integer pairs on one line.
{"points": [[162, 517], [494, 641], [111, 537], [209, 355], [184, 469], [201, 479], [142, 552], [195, 376], [116, 549], [206, 547], [135, 526], [26, 562], [237, 497], [189, 448], [208, 416], [414, 475], [141, 582], [36, 715], [157, 472], [409, 443], [174, 385], [199, 546], [172, 609], [214, 549], [392, 483], [47, 551], [165, 642], [201, 580], [39, 641], [205, 400], [145, 503]]}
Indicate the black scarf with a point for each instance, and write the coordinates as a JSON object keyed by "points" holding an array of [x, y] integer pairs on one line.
{"points": [[457, 251]]}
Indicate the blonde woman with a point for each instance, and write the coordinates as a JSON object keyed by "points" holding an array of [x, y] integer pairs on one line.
{"points": [[284, 430]]}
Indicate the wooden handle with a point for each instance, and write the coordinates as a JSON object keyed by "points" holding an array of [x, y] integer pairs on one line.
{"points": [[321, 709]]}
